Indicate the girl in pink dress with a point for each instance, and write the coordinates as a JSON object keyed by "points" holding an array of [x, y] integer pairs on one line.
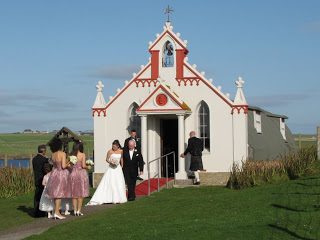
{"points": [[59, 183], [79, 178]]}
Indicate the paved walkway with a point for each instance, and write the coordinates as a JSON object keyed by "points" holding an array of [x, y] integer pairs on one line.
{"points": [[39, 226]]}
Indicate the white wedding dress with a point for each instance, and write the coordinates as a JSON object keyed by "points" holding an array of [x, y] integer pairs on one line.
{"points": [[112, 188]]}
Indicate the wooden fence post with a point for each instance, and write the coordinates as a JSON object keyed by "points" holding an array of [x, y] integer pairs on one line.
{"points": [[30, 160], [5, 160], [318, 141], [300, 140]]}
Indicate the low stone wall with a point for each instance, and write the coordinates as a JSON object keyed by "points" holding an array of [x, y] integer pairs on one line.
{"points": [[214, 178], [96, 179]]}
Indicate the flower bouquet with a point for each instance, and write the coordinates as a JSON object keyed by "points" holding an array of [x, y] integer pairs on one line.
{"points": [[114, 162], [73, 160], [89, 162]]}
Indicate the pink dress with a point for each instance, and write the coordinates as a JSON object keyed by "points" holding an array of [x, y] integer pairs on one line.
{"points": [[59, 183], [79, 181]]}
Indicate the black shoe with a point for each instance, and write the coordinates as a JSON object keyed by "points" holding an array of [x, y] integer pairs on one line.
{"points": [[197, 183], [131, 199], [139, 178]]}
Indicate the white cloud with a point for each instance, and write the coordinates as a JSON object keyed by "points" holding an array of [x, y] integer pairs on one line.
{"points": [[274, 100], [113, 72]]}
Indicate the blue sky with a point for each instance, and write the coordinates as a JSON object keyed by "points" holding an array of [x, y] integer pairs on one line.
{"points": [[52, 53]]}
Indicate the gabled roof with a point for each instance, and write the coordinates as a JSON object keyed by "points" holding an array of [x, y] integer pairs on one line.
{"points": [[174, 103], [65, 132], [269, 114], [167, 29]]}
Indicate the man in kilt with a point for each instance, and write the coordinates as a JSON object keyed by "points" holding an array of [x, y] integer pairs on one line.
{"points": [[195, 148]]}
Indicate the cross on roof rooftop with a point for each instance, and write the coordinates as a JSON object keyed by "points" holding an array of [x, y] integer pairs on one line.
{"points": [[168, 11]]}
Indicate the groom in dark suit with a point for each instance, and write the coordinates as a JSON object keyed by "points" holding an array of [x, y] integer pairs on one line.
{"points": [[132, 160], [137, 145], [38, 163]]}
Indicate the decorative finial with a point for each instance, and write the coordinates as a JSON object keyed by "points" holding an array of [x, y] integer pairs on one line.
{"points": [[168, 11], [239, 82], [99, 86]]}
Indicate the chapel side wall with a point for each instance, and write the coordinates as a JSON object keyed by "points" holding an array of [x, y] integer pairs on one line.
{"points": [[100, 133], [220, 157]]}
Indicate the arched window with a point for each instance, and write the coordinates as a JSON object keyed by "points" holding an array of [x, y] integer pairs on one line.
{"points": [[204, 125], [135, 120], [168, 59]]}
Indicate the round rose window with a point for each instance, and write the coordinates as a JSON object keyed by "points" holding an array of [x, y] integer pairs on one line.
{"points": [[161, 99]]}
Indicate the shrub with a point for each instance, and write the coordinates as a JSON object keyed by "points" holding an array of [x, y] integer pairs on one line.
{"points": [[15, 181], [292, 166]]}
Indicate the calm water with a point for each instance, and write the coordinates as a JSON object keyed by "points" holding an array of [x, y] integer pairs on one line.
{"points": [[17, 163]]}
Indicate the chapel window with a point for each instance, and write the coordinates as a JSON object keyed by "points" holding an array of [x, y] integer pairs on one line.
{"points": [[257, 121], [204, 125], [283, 128], [168, 56], [135, 120]]}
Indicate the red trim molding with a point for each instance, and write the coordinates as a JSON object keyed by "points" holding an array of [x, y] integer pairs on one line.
{"points": [[188, 79], [155, 64], [239, 107], [182, 107], [144, 81], [150, 49], [99, 110]]}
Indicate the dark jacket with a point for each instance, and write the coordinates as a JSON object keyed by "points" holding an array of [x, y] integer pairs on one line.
{"points": [[38, 163], [126, 143], [195, 147], [130, 166]]}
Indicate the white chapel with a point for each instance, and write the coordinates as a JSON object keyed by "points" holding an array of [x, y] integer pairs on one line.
{"points": [[166, 100]]}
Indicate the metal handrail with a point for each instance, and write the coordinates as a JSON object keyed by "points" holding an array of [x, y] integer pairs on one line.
{"points": [[159, 167]]}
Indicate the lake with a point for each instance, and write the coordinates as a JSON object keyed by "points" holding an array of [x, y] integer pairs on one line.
{"points": [[16, 163]]}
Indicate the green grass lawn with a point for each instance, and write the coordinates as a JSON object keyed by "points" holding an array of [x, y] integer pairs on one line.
{"points": [[22, 145], [287, 210], [16, 211]]}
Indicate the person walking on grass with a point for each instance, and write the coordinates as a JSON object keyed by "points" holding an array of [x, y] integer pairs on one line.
{"points": [[46, 204], [38, 163], [79, 178], [137, 145], [195, 148], [59, 183]]}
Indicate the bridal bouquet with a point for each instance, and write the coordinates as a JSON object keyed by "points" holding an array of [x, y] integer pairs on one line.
{"points": [[114, 162], [89, 162], [73, 160]]}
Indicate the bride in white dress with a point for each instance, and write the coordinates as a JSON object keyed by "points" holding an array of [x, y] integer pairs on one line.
{"points": [[112, 188]]}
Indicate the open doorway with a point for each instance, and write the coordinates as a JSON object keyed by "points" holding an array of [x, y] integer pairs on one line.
{"points": [[169, 143]]}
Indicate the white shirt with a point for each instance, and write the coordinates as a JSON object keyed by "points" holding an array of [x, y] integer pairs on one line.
{"points": [[131, 154]]}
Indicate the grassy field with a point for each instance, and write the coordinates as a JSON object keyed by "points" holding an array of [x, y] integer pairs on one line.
{"points": [[286, 210], [306, 139], [22, 145], [15, 211]]}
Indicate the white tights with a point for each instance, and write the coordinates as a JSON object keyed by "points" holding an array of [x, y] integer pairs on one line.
{"points": [[196, 175]]}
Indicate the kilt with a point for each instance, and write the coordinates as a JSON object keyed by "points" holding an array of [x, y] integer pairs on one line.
{"points": [[196, 163]]}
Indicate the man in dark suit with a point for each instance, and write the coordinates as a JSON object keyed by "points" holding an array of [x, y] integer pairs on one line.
{"points": [[132, 160], [137, 145], [195, 148], [38, 163]]}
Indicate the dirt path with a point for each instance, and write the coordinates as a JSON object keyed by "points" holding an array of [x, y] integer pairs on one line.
{"points": [[38, 227]]}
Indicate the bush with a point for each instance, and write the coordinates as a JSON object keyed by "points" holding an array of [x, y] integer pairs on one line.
{"points": [[15, 181], [291, 166]]}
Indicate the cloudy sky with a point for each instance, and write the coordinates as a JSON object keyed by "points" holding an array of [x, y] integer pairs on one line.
{"points": [[52, 53]]}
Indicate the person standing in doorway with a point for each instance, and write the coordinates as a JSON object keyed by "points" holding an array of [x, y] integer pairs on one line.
{"points": [[137, 145], [195, 148], [38, 169]]}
